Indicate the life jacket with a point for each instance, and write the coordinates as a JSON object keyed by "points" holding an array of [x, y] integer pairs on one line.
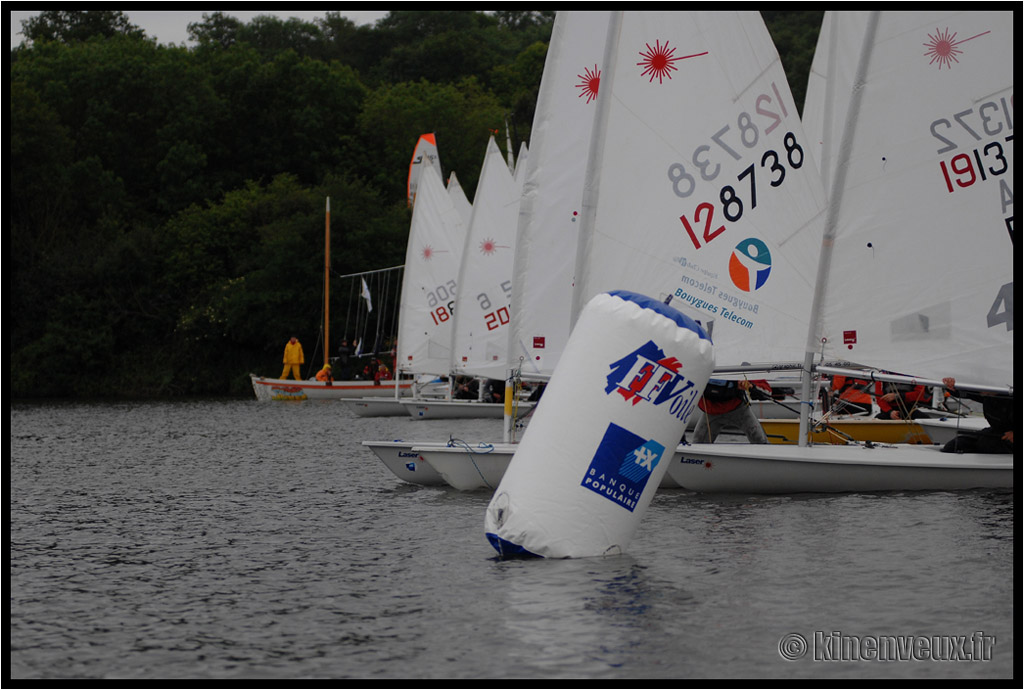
{"points": [[721, 396], [853, 390], [911, 395]]}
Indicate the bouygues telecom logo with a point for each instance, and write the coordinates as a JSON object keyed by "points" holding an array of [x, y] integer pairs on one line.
{"points": [[750, 264]]}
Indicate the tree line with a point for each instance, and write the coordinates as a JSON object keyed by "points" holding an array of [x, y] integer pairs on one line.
{"points": [[166, 205]]}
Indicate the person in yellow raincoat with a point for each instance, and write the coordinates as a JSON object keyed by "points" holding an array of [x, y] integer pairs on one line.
{"points": [[325, 374], [293, 358]]}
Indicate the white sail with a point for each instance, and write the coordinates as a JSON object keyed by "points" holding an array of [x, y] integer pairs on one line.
{"points": [[432, 260], [458, 196], [426, 150], [480, 331], [700, 186], [549, 212], [829, 85], [918, 272], [519, 172]]}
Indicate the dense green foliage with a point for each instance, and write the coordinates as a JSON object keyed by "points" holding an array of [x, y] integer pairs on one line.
{"points": [[166, 205]]}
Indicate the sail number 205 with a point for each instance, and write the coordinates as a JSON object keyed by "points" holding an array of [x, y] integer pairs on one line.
{"points": [[498, 317]]}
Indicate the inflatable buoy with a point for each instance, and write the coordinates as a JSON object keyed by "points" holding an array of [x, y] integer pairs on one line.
{"points": [[604, 433]]}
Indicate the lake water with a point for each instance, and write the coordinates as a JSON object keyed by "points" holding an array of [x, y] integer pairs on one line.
{"points": [[244, 540]]}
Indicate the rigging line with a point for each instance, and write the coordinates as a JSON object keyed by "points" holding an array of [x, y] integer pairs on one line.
{"points": [[900, 402], [459, 443], [348, 312], [366, 273], [385, 288]]}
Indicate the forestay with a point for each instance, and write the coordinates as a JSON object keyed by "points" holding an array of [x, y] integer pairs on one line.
{"points": [[700, 186]]}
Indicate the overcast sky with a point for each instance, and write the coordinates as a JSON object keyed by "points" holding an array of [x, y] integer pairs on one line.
{"points": [[171, 26]]}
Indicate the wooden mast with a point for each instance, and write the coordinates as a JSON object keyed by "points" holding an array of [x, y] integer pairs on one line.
{"points": [[327, 283]]}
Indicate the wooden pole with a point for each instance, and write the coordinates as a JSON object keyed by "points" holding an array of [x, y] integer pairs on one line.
{"points": [[327, 284]]}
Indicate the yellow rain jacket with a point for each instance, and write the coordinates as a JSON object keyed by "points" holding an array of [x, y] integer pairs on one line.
{"points": [[293, 353]]}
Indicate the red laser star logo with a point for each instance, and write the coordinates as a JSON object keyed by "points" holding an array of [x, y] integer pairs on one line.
{"points": [[428, 252], [590, 80], [490, 246], [658, 61], [944, 49]]}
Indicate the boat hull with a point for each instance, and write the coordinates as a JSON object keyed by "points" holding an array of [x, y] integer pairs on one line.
{"points": [[404, 463], [267, 389], [770, 469], [942, 430], [458, 409], [375, 407], [841, 432], [469, 468], [475, 468]]}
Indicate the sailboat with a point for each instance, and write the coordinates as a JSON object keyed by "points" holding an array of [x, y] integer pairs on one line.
{"points": [[426, 312], [547, 228], [429, 306], [826, 102], [589, 226], [916, 271], [271, 389], [479, 324]]}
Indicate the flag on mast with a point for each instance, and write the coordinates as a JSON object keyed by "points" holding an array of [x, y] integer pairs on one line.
{"points": [[366, 295]]}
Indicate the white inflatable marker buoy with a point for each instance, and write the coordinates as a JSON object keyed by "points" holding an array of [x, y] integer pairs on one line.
{"points": [[602, 436]]}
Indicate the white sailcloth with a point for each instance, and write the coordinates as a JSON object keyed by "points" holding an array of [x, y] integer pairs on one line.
{"points": [[458, 196], [549, 212], [919, 260], [829, 85], [480, 330], [519, 171], [432, 260], [426, 150], [700, 186]]}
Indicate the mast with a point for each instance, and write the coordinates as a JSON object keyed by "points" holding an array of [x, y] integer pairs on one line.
{"points": [[595, 154], [327, 282], [831, 221]]}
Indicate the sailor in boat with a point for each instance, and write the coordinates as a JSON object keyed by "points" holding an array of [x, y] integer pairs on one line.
{"points": [[325, 374], [382, 373], [900, 400], [466, 389], [293, 359], [725, 404], [344, 366], [494, 391], [851, 396], [1000, 412]]}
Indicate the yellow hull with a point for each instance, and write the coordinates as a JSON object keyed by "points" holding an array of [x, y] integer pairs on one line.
{"points": [[841, 432]]}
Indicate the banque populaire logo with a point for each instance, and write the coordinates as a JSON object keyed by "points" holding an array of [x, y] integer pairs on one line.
{"points": [[621, 466], [624, 461], [750, 264]]}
